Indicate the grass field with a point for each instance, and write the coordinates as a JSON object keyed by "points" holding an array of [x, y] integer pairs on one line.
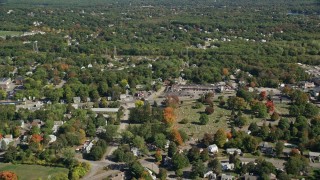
{"points": [[219, 119], [10, 33], [32, 172]]}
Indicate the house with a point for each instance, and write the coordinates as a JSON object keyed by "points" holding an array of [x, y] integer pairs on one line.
{"points": [[5, 83], [53, 138], [210, 175], [76, 100], [250, 177], [227, 177], [5, 140], [135, 151], [233, 150], [100, 129], [213, 148], [105, 110], [19, 80], [226, 166], [266, 148], [314, 156], [56, 125], [87, 146], [37, 122]]}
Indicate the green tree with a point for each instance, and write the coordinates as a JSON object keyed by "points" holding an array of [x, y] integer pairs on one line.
{"points": [[220, 138], [279, 148], [162, 174], [197, 169], [172, 149], [179, 161], [160, 140], [204, 119], [296, 164], [215, 165]]}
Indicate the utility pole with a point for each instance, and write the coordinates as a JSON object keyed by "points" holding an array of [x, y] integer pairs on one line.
{"points": [[35, 46], [115, 52]]}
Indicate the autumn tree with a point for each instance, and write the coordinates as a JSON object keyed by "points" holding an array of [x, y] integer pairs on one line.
{"points": [[8, 175], [176, 136], [169, 116]]}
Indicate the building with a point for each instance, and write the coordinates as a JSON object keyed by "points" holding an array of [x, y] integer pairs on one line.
{"points": [[193, 87], [105, 110], [314, 156], [87, 146], [266, 148], [76, 100], [226, 166], [5, 83], [233, 150], [213, 148], [56, 125], [227, 177]]}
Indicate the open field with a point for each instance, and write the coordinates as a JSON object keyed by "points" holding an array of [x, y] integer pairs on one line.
{"points": [[219, 119], [10, 33], [31, 172]]}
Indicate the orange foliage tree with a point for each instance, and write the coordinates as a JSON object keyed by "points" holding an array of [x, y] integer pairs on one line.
{"points": [[8, 175], [176, 136], [36, 138], [169, 115], [229, 135]]}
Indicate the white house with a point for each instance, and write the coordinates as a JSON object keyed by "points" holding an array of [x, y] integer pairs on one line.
{"points": [[233, 150], [213, 148], [227, 166]]}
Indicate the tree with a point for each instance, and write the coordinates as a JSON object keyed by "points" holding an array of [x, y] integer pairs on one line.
{"points": [[172, 149], [263, 95], [162, 174], [8, 175], [139, 103], [169, 116], [209, 110], [160, 140], [3, 145], [197, 169], [220, 138], [279, 148], [179, 161], [259, 109], [284, 124], [158, 155], [215, 165], [138, 142], [275, 116], [311, 110], [296, 164], [176, 136], [204, 119]]}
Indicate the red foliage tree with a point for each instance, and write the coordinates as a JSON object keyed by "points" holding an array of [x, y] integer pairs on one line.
{"points": [[270, 106], [8, 175], [263, 95]]}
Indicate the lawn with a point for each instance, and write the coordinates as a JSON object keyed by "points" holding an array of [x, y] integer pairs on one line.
{"points": [[219, 119], [10, 33], [31, 172]]}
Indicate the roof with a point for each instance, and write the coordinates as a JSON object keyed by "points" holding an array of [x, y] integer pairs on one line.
{"points": [[226, 177], [105, 110], [314, 154], [250, 177], [4, 80]]}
